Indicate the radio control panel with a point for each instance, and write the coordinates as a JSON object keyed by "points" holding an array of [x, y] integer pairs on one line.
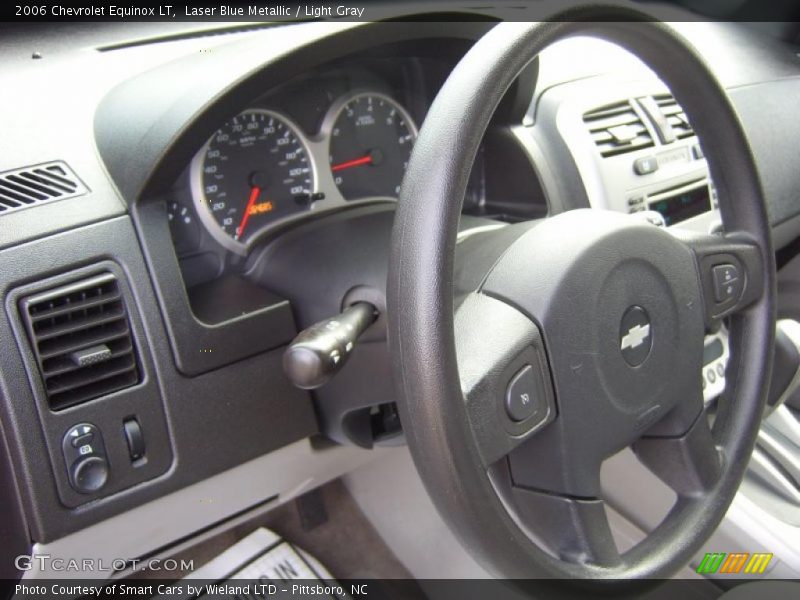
{"points": [[675, 204]]}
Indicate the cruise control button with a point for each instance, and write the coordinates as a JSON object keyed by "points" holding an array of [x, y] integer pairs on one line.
{"points": [[727, 283], [645, 165], [521, 395]]}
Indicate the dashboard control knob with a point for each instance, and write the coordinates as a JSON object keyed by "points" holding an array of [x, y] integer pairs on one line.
{"points": [[85, 456], [319, 352], [89, 474]]}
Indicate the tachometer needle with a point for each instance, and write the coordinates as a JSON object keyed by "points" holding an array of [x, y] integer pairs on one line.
{"points": [[254, 193], [364, 160]]}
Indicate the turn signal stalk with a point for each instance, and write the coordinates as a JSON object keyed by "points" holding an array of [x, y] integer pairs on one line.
{"points": [[319, 352]]}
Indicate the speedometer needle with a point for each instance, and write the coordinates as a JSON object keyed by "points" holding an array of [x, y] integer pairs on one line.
{"points": [[254, 193], [364, 160]]}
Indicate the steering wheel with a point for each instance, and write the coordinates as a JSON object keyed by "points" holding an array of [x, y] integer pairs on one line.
{"points": [[582, 336]]}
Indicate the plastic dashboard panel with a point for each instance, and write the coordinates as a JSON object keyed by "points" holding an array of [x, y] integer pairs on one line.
{"points": [[141, 401], [215, 421], [200, 347]]}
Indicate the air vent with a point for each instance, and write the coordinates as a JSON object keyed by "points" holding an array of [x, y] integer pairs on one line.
{"points": [[617, 129], [674, 115], [26, 187], [82, 340]]}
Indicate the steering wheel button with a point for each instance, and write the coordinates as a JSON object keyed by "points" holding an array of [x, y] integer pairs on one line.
{"points": [[521, 401], [727, 283]]}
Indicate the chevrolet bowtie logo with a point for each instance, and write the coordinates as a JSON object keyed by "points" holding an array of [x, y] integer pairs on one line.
{"points": [[635, 337]]}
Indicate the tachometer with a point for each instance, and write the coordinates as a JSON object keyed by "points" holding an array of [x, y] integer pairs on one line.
{"points": [[254, 171], [370, 144]]}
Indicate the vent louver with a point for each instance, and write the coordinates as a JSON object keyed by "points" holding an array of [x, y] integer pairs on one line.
{"points": [[617, 128], [30, 186], [674, 115], [82, 341]]}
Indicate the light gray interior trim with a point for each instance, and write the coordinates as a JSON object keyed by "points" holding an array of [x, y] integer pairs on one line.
{"points": [[786, 452], [285, 473], [392, 496], [765, 469], [785, 423], [747, 527]]}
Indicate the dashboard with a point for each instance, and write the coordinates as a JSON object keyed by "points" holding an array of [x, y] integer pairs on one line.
{"points": [[236, 188], [336, 137]]}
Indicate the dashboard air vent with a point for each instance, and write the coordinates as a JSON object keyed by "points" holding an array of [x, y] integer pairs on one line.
{"points": [[82, 340], [617, 128], [21, 188], [674, 115]]}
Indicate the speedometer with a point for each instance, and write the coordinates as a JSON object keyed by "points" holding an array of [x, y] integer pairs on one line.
{"points": [[370, 144], [255, 170]]}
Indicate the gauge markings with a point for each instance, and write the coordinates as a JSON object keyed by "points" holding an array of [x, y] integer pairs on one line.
{"points": [[251, 173], [370, 145]]}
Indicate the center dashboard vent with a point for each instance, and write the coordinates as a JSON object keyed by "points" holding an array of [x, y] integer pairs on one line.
{"points": [[26, 187], [674, 115], [82, 340], [617, 128]]}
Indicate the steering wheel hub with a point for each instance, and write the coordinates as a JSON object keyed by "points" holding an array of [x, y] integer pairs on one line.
{"points": [[615, 299]]}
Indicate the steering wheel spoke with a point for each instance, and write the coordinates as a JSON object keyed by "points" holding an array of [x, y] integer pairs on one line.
{"points": [[504, 375], [573, 527], [730, 272], [688, 463], [575, 530]]}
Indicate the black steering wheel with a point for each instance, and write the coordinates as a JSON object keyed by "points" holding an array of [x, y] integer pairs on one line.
{"points": [[584, 335]]}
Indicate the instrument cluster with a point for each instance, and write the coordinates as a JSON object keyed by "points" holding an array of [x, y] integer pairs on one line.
{"points": [[261, 169], [337, 136]]}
